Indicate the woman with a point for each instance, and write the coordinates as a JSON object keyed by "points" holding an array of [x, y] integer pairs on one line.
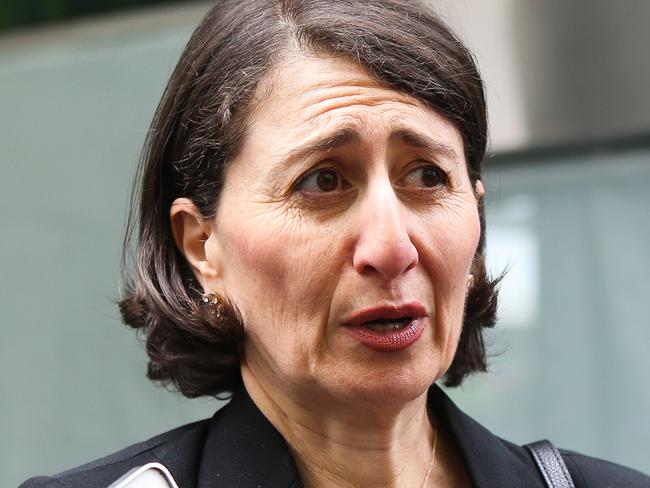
{"points": [[310, 239]]}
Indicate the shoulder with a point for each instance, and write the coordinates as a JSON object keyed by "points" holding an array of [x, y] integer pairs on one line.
{"points": [[592, 472], [180, 445]]}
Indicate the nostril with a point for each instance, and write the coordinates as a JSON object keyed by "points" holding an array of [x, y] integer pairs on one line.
{"points": [[389, 259], [411, 265]]}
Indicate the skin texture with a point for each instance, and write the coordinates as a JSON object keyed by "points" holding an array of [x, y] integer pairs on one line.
{"points": [[297, 261]]}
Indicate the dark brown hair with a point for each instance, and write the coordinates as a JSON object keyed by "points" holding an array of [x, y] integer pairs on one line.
{"points": [[199, 127]]}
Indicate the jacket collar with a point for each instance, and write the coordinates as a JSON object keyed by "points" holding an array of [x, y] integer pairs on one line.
{"points": [[490, 461], [243, 449]]}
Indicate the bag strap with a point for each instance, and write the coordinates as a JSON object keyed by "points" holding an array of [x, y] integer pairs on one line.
{"points": [[550, 463]]}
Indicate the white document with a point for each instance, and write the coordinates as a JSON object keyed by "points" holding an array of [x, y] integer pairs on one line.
{"points": [[151, 475]]}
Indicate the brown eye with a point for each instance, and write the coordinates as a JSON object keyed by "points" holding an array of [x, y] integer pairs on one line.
{"points": [[327, 180], [425, 176], [322, 180], [431, 176]]}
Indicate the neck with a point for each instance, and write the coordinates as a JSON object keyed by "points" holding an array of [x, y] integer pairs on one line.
{"points": [[344, 445]]}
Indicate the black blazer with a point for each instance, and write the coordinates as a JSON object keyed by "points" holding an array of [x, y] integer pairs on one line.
{"points": [[239, 448]]}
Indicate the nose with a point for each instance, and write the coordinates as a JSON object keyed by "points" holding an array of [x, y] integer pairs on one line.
{"points": [[384, 246]]}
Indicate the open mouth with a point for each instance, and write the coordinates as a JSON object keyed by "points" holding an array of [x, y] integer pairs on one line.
{"points": [[388, 328], [387, 325]]}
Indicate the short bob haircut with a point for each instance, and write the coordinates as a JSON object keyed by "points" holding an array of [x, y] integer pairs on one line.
{"points": [[199, 128]]}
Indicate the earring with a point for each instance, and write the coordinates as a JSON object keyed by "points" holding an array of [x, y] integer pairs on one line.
{"points": [[216, 307], [470, 281], [211, 298]]}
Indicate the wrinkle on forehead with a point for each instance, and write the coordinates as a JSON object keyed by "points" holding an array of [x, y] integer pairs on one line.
{"points": [[334, 100], [328, 90]]}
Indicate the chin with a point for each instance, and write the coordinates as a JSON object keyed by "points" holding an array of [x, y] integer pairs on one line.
{"points": [[387, 384], [389, 393]]}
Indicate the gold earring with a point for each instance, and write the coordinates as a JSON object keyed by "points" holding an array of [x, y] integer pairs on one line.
{"points": [[216, 307], [470, 281], [211, 298]]}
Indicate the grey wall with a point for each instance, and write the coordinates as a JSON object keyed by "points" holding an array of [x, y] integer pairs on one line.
{"points": [[585, 68], [75, 104], [559, 71]]}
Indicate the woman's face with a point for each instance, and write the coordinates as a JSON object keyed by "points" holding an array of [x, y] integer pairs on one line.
{"points": [[348, 211]]}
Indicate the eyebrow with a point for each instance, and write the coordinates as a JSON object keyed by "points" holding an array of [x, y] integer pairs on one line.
{"points": [[326, 144], [421, 141], [346, 136]]}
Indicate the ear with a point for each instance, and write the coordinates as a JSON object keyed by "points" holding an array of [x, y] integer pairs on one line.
{"points": [[196, 239], [479, 190]]}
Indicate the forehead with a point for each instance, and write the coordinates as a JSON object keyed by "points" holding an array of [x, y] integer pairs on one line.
{"points": [[307, 95]]}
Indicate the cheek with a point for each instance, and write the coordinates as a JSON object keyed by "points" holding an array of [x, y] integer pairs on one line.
{"points": [[282, 276], [454, 237], [278, 268]]}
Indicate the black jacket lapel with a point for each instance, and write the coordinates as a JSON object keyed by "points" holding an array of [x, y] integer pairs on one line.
{"points": [[491, 461], [243, 450], [181, 452]]}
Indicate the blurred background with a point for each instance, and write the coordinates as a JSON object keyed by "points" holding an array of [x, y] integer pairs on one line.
{"points": [[568, 206]]}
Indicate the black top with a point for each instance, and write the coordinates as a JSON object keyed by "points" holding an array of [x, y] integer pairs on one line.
{"points": [[239, 448]]}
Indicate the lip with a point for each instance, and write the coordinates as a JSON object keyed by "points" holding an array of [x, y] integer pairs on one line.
{"points": [[388, 341]]}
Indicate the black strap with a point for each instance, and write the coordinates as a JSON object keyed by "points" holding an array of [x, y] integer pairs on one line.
{"points": [[550, 463]]}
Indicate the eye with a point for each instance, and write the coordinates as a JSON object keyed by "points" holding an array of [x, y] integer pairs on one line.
{"points": [[425, 176], [322, 180]]}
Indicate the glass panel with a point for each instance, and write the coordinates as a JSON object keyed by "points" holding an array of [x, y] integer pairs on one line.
{"points": [[570, 353], [73, 118]]}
